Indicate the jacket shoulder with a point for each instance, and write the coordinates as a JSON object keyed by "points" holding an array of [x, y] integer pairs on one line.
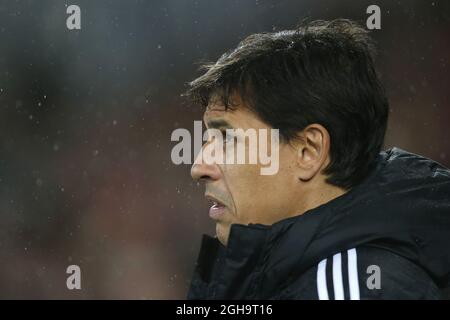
{"points": [[363, 273]]}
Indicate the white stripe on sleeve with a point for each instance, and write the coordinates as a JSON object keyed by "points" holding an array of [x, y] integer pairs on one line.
{"points": [[322, 280], [337, 278]]}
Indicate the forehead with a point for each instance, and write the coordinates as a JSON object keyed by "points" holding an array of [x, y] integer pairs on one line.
{"points": [[216, 108]]}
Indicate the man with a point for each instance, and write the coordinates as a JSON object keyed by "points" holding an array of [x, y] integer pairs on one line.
{"points": [[341, 219]]}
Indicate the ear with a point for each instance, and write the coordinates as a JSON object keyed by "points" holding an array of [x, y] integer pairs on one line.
{"points": [[313, 151]]}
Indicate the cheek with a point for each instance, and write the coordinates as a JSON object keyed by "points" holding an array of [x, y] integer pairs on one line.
{"points": [[242, 181], [263, 198], [256, 198], [252, 192]]}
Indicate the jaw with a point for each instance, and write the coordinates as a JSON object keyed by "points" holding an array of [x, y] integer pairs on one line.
{"points": [[223, 231]]}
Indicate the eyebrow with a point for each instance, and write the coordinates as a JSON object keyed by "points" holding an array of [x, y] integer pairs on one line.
{"points": [[219, 124]]}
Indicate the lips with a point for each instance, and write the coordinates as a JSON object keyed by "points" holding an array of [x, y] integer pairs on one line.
{"points": [[217, 209]]}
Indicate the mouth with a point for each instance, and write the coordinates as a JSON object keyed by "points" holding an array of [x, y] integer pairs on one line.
{"points": [[217, 209]]}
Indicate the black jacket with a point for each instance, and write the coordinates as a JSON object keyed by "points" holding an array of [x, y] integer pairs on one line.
{"points": [[393, 228]]}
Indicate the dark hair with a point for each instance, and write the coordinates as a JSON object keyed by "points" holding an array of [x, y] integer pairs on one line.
{"points": [[321, 72]]}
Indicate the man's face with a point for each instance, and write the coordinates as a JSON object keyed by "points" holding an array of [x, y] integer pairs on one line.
{"points": [[239, 193]]}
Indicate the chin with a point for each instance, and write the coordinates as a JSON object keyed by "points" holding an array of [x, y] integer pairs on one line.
{"points": [[222, 233]]}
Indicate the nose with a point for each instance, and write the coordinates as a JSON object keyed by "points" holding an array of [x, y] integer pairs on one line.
{"points": [[203, 171]]}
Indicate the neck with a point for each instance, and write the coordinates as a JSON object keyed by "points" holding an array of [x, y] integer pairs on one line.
{"points": [[320, 194]]}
